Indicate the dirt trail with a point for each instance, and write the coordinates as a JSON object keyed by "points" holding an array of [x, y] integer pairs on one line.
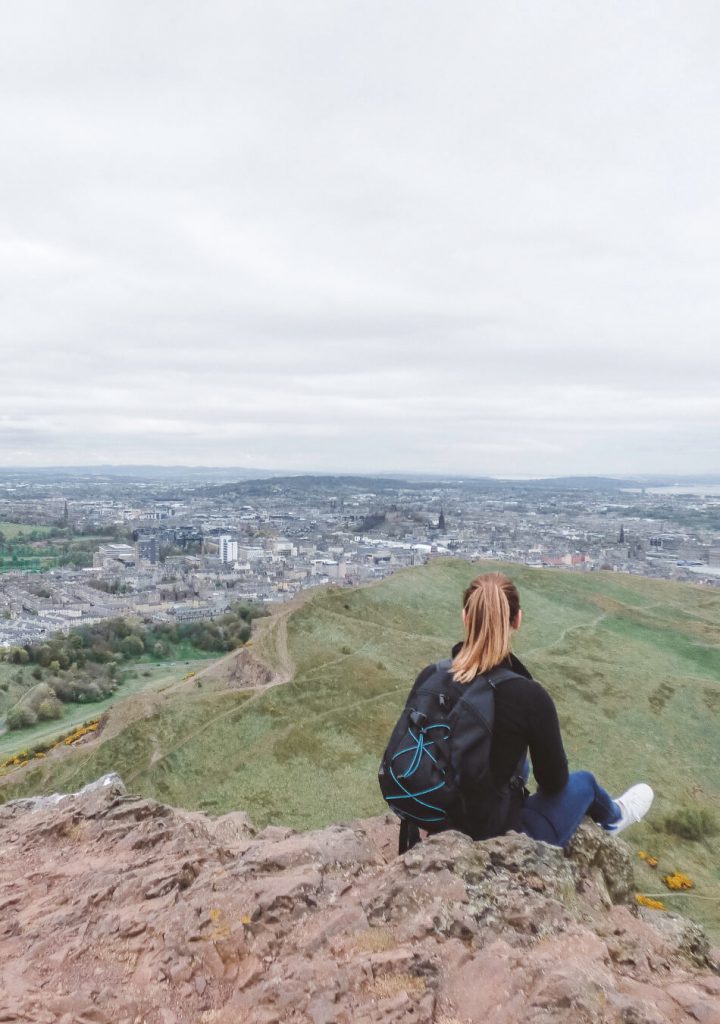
{"points": [[245, 669], [275, 626], [561, 637], [278, 673]]}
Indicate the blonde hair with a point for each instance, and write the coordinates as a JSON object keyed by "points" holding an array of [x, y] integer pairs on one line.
{"points": [[491, 605]]}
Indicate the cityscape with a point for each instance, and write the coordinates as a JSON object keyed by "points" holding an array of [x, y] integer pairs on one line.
{"points": [[178, 547]]}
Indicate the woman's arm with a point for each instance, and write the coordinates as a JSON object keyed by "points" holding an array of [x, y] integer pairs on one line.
{"points": [[549, 761]]}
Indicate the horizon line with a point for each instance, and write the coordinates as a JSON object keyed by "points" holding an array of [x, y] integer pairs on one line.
{"points": [[371, 474]]}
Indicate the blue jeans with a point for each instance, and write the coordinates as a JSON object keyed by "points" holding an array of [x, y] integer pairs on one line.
{"points": [[554, 818]]}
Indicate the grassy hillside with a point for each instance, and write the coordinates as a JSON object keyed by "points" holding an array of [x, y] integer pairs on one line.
{"points": [[143, 675], [633, 664]]}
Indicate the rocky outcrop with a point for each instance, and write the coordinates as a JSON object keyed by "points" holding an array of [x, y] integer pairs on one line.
{"points": [[119, 910]]}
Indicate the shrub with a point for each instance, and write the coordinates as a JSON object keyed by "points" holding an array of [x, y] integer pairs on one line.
{"points": [[48, 709], [43, 655], [90, 691], [39, 693], [20, 716], [132, 647], [64, 689], [692, 823], [36, 672]]}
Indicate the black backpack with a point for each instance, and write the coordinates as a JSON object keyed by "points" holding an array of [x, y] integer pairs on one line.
{"points": [[435, 772]]}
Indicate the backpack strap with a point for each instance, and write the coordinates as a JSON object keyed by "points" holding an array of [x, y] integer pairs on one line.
{"points": [[409, 835], [495, 676], [518, 781], [499, 674]]}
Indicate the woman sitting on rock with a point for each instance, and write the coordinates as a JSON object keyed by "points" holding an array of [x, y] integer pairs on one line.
{"points": [[525, 721]]}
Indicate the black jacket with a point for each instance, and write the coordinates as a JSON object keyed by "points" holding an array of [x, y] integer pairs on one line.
{"points": [[525, 720]]}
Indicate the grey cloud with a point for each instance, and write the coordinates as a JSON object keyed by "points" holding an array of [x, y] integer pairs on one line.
{"points": [[465, 237]]}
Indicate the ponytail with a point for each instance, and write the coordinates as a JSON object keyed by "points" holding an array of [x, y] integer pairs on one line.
{"points": [[491, 605]]}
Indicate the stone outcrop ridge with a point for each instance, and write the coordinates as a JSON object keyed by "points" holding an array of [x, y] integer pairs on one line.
{"points": [[118, 910]]}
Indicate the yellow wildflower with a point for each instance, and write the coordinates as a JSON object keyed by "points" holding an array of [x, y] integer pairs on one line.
{"points": [[646, 901], [678, 881]]}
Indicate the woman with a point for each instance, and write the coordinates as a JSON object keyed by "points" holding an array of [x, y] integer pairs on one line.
{"points": [[526, 721]]}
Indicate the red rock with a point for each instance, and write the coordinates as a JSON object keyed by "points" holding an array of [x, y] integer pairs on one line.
{"points": [[116, 909]]}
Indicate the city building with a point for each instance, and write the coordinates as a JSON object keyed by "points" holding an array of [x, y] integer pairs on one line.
{"points": [[122, 555], [146, 549], [227, 549]]}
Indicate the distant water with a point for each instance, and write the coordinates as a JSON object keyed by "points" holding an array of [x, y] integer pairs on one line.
{"points": [[702, 490]]}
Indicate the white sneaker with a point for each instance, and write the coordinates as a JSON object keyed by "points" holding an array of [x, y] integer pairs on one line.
{"points": [[634, 805]]}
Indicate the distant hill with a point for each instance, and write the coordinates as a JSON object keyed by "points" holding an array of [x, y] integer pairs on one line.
{"points": [[633, 664], [221, 479], [199, 474]]}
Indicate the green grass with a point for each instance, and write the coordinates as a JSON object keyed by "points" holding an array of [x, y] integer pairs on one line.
{"points": [[143, 676], [44, 552], [633, 665], [11, 530]]}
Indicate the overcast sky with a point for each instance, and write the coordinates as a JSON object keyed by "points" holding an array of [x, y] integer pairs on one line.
{"points": [[355, 235]]}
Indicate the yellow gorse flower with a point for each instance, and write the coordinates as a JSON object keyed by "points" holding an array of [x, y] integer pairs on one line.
{"points": [[678, 881], [82, 731], [24, 757], [648, 858], [646, 901]]}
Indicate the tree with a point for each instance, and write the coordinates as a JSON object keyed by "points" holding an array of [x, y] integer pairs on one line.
{"points": [[64, 689], [132, 647], [43, 655], [90, 691], [48, 709], [20, 716]]}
